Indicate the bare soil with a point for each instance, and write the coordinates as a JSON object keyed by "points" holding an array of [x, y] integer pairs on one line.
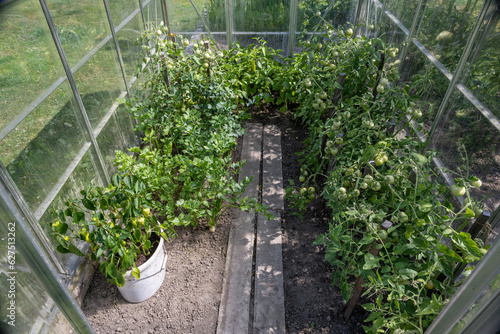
{"points": [[188, 301]]}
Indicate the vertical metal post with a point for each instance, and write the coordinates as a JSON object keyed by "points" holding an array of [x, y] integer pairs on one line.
{"points": [[463, 300], [26, 244], [229, 21], [433, 138], [294, 7], [117, 45], [358, 12], [165, 16], [142, 14], [102, 167]]}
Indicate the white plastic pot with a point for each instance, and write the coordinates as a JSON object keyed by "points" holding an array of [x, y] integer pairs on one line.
{"points": [[152, 275]]}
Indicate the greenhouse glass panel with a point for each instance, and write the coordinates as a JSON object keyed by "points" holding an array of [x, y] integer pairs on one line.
{"points": [[183, 18], [483, 76], [29, 63], [483, 298], [112, 138], [403, 10], [127, 39], [126, 125], [392, 30], [40, 149], [99, 83], [81, 25], [261, 15], [373, 12], [466, 127], [445, 27], [78, 179], [122, 9], [33, 311], [152, 11], [427, 83], [334, 14]]}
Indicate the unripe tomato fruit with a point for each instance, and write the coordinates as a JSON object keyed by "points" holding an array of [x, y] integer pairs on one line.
{"points": [[457, 191]]}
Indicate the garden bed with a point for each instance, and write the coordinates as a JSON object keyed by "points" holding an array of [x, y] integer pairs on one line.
{"points": [[188, 301]]}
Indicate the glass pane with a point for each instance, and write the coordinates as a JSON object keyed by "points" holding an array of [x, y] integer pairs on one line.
{"points": [[80, 178], [403, 10], [336, 13], [112, 138], [81, 25], [261, 15], [390, 31], [29, 62], [427, 83], [40, 149], [482, 298], [126, 125], [466, 126], [484, 77], [127, 38], [100, 82], [216, 15], [26, 307], [183, 17], [445, 26], [152, 11], [120, 10]]}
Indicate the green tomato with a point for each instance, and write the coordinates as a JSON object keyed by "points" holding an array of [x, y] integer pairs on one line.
{"points": [[368, 179], [403, 217], [302, 178], [389, 179], [363, 185], [417, 114], [477, 211], [342, 190], [380, 89], [379, 161], [329, 143], [382, 234], [308, 83], [476, 183], [376, 186], [457, 191], [339, 140]]}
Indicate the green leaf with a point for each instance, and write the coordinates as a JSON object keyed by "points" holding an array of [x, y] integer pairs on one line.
{"points": [[128, 181], [111, 270], [136, 272], [120, 280], [371, 262], [73, 249], [62, 249], [88, 204], [469, 213]]}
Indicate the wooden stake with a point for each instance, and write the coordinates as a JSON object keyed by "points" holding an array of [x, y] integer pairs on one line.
{"points": [[358, 288]]}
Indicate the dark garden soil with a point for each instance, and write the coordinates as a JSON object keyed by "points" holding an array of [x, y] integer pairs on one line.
{"points": [[188, 301]]}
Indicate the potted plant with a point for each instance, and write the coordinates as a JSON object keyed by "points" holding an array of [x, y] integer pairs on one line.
{"points": [[117, 223]]}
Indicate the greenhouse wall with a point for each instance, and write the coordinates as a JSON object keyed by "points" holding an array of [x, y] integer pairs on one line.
{"points": [[65, 67]]}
